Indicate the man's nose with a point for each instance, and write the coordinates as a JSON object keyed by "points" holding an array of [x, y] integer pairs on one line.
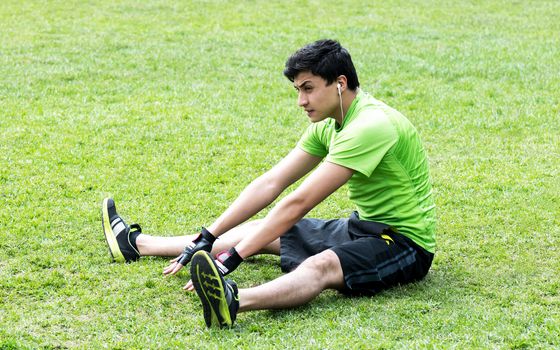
{"points": [[302, 100]]}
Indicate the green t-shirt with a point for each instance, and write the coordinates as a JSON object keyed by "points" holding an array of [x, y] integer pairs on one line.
{"points": [[391, 181]]}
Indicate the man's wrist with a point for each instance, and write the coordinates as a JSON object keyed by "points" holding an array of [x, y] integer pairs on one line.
{"points": [[203, 241], [207, 235], [228, 260]]}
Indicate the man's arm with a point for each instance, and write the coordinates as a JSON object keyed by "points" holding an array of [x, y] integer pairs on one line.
{"points": [[265, 189], [325, 180]]}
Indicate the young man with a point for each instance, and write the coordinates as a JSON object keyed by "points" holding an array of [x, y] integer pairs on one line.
{"points": [[353, 139]]}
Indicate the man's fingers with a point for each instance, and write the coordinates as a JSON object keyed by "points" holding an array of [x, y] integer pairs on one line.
{"points": [[168, 269], [189, 286], [178, 266], [172, 269]]}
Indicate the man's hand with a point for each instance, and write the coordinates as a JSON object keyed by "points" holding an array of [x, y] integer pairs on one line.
{"points": [[204, 241]]}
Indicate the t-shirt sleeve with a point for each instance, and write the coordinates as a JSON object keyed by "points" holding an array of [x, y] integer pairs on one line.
{"points": [[365, 142], [313, 141]]}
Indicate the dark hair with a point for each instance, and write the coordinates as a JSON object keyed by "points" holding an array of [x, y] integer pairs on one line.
{"points": [[325, 58]]}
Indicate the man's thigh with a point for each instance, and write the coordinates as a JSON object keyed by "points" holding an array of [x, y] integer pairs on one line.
{"points": [[372, 264], [310, 237]]}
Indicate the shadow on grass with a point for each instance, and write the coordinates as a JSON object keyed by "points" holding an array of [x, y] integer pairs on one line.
{"points": [[333, 305]]}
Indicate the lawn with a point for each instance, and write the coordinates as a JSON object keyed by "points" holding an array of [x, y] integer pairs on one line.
{"points": [[172, 107]]}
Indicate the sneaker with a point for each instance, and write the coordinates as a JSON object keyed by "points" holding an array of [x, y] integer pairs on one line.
{"points": [[219, 298], [118, 234]]}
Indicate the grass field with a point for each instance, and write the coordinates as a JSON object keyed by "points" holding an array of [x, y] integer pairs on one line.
{"points": [[172, 107]]}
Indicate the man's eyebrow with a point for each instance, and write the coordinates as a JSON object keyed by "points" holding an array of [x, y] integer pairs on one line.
{"points": [[302, 84]]}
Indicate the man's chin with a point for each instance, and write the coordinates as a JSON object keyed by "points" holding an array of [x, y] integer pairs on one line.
{"points": [[314, 118]]}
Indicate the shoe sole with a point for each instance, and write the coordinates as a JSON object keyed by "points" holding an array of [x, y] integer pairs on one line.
{"points": [[210, 289], [110, 237]]}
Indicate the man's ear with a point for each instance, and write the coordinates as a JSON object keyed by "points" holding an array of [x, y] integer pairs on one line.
{"points": [[342, 82]]}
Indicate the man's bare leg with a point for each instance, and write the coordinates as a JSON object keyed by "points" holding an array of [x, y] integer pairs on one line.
{"points": [[317, 273], [174, 246]]}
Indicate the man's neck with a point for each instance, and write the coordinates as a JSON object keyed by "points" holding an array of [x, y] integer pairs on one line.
{"points": [[348, 97]]}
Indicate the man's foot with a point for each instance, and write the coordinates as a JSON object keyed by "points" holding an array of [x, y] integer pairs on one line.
{"points": [[218, 296], [118, 233]]}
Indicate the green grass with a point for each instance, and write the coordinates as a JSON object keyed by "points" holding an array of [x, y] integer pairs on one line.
{"points": [[172, 108]]}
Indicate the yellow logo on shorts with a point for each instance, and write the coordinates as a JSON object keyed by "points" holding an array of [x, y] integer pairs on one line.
{"points": [[387, 239]]}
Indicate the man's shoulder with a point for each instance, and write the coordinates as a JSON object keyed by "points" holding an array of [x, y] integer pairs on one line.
{"points": [[371, 120], [374, 114]]}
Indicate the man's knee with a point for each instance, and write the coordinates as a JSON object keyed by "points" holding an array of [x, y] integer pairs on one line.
{"points": [[327, 266]]}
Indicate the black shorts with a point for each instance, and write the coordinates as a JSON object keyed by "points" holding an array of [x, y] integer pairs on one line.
{"points": [[373, 256]]}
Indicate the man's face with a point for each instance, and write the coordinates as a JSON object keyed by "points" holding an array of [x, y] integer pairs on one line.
{"points": [[318, 99]]}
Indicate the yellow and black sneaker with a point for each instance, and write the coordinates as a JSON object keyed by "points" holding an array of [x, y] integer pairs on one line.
{"points": [[219, 297], [120, 237]]}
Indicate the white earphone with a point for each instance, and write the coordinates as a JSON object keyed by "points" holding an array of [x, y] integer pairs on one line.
{"points": [[338, 87]]}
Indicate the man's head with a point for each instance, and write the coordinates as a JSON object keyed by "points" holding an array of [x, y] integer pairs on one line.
{"points": [[325, 78], [325, 58]]}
